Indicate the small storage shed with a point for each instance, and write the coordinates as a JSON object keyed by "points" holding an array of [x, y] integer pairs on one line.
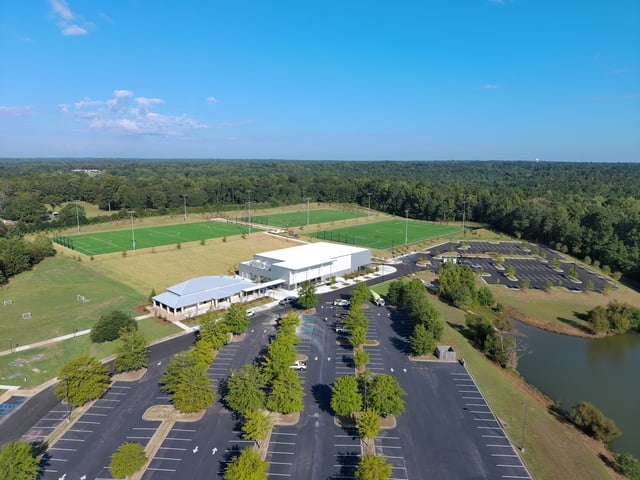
{"points": [[446, 353]]}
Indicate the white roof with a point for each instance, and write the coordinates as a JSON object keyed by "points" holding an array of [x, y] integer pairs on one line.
{"points": [[310, 254], [202, 289]]}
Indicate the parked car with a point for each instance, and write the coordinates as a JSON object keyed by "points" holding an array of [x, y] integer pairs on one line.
{"points": [[340, 328], [288, 300], [251, 313], [341, 302], [299, 365]]}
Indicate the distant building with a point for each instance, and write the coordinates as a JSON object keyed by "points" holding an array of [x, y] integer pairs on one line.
{"points": [[310, 262]]}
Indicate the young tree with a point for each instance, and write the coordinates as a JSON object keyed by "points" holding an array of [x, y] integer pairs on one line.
{"points": [[373, 467], [360, 293], [247, 466], [281, 354], [17, 461], [307, 295], [385, 394], [81, 380], [511, 271], [368, 424], [215, 332], [132, 353], [127, 460], [172, 375], [358, 336], [422, 341], [245, 389], [257, 426], [346, 399], [111, 325], [628, 465], [194, 391], [360, 358], [485, 297], [286, 393], [236, 319]]}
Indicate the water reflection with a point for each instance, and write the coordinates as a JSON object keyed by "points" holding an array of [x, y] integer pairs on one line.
{"points": [[603, 371]]}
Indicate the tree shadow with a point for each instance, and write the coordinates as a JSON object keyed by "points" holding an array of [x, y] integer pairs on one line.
{"points": [[561, 413], [402, 345], [348, 361], [348, 462], [322, 395], [228, 457], [575, 324], [39, 447]]}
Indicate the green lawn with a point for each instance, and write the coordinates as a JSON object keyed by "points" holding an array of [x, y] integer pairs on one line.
{"points": [[386, 234], [49, 292], [297, 219], [41, 364], [122, 240]]}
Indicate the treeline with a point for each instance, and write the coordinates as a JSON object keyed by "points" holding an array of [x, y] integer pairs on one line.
{"points": [[18, 255], [591, 210]]}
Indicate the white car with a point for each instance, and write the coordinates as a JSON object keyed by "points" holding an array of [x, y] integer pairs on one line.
{"points": [[299, 365], [251, 313], [341, 302]]}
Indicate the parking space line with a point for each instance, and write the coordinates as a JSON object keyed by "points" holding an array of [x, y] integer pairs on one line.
{"points": [[504, 455], [494, 436], [182, 430], [115, 393], [98, 406], [63, 449], [70, 440], [171, 448], [179, 439], [168, 458], [120, 386], [54, 459], [138, 438], [143, 428], [161, 469], [274, 452], [80, 431], [97, 414], [511, 466], [91, 423]]}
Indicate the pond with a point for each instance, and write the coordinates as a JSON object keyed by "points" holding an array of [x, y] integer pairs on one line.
{"points": [[604, 371]]}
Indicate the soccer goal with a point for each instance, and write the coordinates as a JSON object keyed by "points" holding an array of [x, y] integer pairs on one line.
{"points": [[7, 302], [26, 315], [82, 298]]}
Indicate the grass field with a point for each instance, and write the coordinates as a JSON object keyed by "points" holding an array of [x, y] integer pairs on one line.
{"points": [[147, 237], [386, 234], [49, 293], [296, 219], [39, 365]]}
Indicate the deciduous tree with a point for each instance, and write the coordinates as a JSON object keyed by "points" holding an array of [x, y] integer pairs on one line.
{"points": [[256, 426], [385, 395], [346, 399], [286, 393], [132, 353], [17, 462], [127, 460], [373, 467], [245, 390], [247, 466], [81, 380]]}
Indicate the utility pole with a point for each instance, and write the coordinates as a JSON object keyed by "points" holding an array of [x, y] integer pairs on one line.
{"points": [[133, 233], [369, 209], [184, 197], [524, 426], [307, 200]]}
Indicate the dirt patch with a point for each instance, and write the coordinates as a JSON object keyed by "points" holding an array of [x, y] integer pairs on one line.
{"points": [[129, 376], [169, 413]]}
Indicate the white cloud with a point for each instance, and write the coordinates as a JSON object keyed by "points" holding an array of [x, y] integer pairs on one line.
{"points": [[15, 110], [67, 20], [211, 100], [61, 8], [490, 86], [125, 114], [73, 30]]}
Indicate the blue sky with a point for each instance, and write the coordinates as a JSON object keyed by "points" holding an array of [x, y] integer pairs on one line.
{"points": [[301, 79]]}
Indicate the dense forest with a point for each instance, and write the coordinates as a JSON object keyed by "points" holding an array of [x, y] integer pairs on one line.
{"points": [[589, 210]]}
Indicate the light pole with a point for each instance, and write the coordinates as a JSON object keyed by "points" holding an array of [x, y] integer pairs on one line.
{"points": [[77, 217], [406, 227], [133, 233], [249, 207], [307, 200], [11, 345], [524, 426], [369, 209], [464, 210], [74, 330], [184, 197]]}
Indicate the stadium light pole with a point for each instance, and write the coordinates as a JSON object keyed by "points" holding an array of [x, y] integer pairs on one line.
{"points": [[249, 207], [307, 200], [133, 233], [184, 197], [464, 211], [406, 227], [369, 209], [77, 217]]}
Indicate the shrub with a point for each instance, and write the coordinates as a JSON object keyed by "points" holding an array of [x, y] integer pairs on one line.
{"points": [[593, 422], [127, 460], [110, 325]]}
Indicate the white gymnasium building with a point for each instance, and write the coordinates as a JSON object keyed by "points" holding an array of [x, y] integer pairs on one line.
{"points": [[310, 262]]}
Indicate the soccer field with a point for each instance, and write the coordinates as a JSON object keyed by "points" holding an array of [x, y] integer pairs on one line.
{"points": [[122, 240], [388, 234], [297, 219]]}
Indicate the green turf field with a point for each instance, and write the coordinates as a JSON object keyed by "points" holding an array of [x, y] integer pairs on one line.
{"points": [[121, 240], [387, 234], [297, 219]]}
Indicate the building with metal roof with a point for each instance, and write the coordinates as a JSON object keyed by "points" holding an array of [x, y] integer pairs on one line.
{"points": [[199, 295], [309, 262]]}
